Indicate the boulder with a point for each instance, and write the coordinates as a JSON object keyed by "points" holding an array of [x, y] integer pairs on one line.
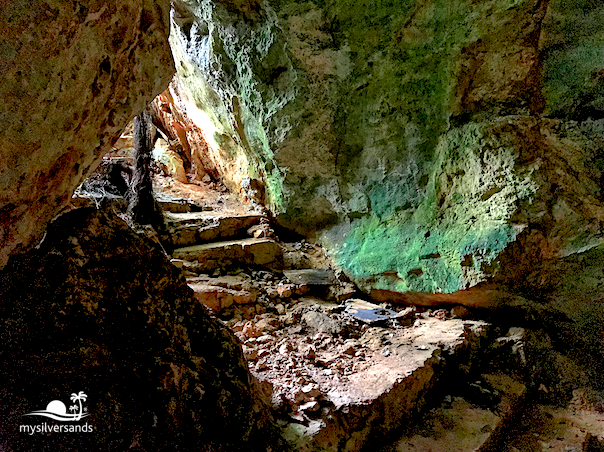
{"points": [[96, 308]]}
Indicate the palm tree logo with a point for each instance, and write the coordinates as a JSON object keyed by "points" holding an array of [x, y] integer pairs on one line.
{"points": [[58, 411], [79, 397]]}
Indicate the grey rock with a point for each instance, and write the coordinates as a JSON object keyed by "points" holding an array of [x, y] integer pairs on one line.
{"points": [[322, 323]]}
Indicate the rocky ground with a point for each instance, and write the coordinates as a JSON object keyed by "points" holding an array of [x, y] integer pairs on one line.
{"points": [[99, 308], [344, 372]]}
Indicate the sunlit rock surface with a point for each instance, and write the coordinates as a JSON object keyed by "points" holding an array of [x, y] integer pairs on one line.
{"points": [[71, 76], [421, 138]]}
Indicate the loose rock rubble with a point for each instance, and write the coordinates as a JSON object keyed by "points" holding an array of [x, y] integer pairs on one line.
{"points": [[347, 374], [324, 368], [369, 379], [339, 369], [344, 373], [317, 343]]}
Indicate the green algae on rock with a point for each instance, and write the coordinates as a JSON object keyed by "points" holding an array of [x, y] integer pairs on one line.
{"points": [[236, 112], [409, 136], [459, 228], [573, 51]]}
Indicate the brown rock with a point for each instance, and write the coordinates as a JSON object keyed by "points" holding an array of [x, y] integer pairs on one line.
{"points": [[267, 325], [285, 291], [265, 339], [244, 297], [233, 282], [169, 161], [272, 292], [248, 311], [217, 298], [261, 365], [322, 322], [261, 230], [299, 417], [209, 299], [249, 353], [73, 75], [342, 292], [310, 391], [81, 328], [249, 330], [290, 318], [237, 326], [190, 228], [461, 312], [296, 260], [310, 354], [349, 349], [311, 276], [301, 289], [178, 263], [477, 297], [245, 252], [440, 314], [286, 347], [226, 299]]}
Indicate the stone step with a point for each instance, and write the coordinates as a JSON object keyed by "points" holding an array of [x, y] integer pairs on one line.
{"points": [[401, 368], [459, 424], [174, 206], [168, 203], [311, 276], [190, 228], [214, 255], [217, 298]]}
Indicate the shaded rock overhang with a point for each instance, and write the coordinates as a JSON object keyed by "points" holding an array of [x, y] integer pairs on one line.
{"points": [[72, 74]]}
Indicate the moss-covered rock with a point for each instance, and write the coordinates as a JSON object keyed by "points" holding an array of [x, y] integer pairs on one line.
{"points": [[461, 225], [573, 53]]}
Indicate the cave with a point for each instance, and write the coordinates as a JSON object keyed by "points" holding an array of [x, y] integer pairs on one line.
{"points": [[302, 226]]}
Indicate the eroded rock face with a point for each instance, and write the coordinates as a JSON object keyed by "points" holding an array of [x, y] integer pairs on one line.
{"points": [[432, 136], [71, 76], [98, 309]]}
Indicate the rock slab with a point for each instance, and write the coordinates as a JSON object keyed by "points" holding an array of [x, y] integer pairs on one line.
{"points": [[393, 387], [220, 254]]}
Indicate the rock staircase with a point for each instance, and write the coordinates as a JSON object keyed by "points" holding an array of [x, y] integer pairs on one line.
{"points": [[207, 240], [210, 240]]}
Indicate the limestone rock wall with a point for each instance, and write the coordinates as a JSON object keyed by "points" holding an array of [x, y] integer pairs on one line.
{"points": [[218, 50], [72, 74], [427, 142]]}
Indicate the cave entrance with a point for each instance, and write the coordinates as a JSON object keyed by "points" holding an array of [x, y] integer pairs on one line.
{"points": [[185, 176]]}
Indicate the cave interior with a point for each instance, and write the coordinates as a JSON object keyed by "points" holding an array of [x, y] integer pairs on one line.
{"points": [[340, 226]]}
